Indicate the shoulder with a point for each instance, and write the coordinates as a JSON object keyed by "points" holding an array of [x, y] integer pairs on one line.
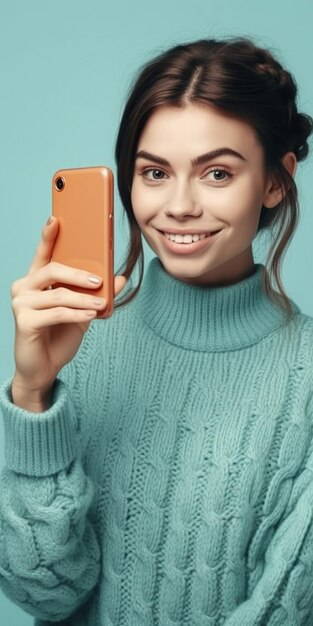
{"points": [[302, 363], [298, 335], [303, 332]]}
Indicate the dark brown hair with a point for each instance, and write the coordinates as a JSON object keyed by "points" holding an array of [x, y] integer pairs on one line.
{"points": [[232, 75]]}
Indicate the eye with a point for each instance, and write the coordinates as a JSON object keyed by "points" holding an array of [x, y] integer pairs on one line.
{"points": [[220, 170], [144, 173]]}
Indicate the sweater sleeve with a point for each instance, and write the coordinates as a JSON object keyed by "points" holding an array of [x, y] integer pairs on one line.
{"points": [[282, 594], [49, 553]]}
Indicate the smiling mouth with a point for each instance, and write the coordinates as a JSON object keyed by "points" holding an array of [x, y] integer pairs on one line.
{"points": [[208, 234]]}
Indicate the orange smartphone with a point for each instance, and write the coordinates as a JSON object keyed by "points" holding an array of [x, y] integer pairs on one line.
{"points": [[83, 202]]}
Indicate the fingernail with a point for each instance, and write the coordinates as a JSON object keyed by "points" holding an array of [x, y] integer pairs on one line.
{"points": [[98, 301], [94, 279], [49, 220]]}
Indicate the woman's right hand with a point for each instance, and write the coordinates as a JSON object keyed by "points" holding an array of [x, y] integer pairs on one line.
{"points": [[49, 323]]}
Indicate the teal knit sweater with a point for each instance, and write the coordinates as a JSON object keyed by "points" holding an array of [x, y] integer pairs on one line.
{"points": [[171, 481]]}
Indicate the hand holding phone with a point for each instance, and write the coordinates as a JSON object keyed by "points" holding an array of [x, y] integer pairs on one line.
{"points": [[50, 323]]}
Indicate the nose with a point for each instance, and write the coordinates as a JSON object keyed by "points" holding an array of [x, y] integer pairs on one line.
{"points": [[182, 204]]}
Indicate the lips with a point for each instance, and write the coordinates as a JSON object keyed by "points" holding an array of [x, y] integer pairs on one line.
{"points": [[207, 233], [183, 249]]}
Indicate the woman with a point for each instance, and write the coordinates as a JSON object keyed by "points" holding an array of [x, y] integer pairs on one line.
{"points": [[159, 463]]}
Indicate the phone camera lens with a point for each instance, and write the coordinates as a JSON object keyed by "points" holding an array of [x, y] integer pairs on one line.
{"points": [[59, 183]]}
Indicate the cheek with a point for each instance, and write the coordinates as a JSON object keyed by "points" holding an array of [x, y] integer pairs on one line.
{"points": [[136, 200], [143, 203], [244, 221], [241, 204]]}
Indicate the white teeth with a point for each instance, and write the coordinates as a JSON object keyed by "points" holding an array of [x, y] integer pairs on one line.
{"points": [[186, 238]]}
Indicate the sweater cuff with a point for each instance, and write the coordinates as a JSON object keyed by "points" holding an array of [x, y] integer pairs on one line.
{"points": [[39, 444]]}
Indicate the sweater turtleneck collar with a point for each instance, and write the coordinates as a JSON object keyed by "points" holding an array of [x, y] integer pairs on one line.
{"points": [[207, 318]]}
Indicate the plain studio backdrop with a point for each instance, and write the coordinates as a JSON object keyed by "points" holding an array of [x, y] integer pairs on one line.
{"points": [[65, 69]]}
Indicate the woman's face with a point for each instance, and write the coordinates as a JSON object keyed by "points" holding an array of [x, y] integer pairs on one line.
{"points": [[222, 193]]}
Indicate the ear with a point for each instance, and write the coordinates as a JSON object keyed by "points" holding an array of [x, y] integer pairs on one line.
{"points": [[273, 193]]}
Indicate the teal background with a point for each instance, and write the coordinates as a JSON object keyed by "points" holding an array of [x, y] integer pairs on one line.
{"points": [[65, 68]]}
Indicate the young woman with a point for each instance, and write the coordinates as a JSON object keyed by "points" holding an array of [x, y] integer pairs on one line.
{"points": [[159, 463]]}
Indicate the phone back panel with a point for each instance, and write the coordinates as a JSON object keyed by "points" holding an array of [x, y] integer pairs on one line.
{"points": [[85, 212]]}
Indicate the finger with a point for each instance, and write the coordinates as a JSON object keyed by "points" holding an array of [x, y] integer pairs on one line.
{"points": [[44, 277], [60, 297], [119, 283], [34, 320], [44, 250], [65, 297], [54, 272]]}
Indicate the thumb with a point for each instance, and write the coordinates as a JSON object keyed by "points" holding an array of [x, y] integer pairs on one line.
{"points": [[44, 250]]}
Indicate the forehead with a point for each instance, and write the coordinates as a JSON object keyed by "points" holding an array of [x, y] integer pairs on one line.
{"points": [[196, 127]]}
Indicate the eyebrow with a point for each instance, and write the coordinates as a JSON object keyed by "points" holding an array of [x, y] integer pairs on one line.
{"points": [[203, 158]]}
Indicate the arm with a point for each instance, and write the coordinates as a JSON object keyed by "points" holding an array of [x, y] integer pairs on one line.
{"points": [[283, 593], [49, 554]]}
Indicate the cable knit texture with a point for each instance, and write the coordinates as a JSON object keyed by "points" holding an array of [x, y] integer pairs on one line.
{"points": [[170, 482]]}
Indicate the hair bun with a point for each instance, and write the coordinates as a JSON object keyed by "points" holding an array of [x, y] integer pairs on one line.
{"points": [[300, 124], [271, 68], [301, 130]]}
